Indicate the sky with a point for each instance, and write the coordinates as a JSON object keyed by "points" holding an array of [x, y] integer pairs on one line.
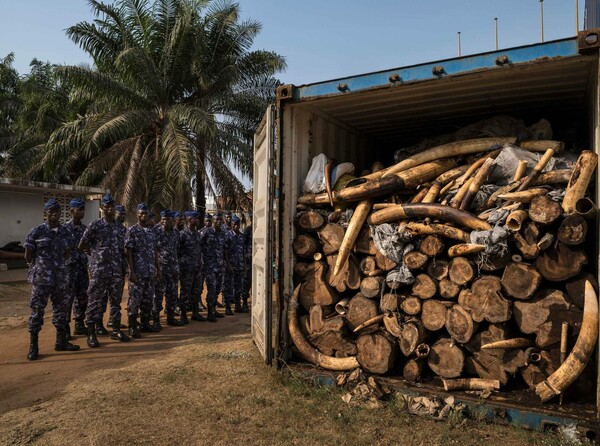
{"points": [[322, 39]]}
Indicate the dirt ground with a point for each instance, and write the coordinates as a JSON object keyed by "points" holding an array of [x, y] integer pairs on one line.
{"points": [[199, 384]]}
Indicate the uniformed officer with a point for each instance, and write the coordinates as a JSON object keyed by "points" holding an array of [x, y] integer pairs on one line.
{"points": [[115, 304], [142, 258], [212, 243], [154, 226], [167, 245], [234, 266], [76, 267], [247, 266], [208, 222], [190, 263], [227, 221], [103, 240], [46, 249], [179, 221]]}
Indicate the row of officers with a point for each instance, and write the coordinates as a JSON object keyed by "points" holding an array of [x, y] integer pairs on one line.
{"points": [[82, 269]]}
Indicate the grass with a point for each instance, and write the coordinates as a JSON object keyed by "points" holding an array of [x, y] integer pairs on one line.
{"points": [[220, 393]]}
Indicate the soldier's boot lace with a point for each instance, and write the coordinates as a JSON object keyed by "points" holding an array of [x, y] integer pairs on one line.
{"points": [[211, 313], [172, 321], [34, 351], [196, 316], [92, 340], [156, 318], [80, 328], [134, 331], [228, 311], [101, 330], [117, 334]]}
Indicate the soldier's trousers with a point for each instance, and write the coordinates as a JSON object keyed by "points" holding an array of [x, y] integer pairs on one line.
{"points": [[232, 286], [77, 286], [40, 294], [214, 282], [167, 287], [100, 291], [190, 288], [247, 284], [140, 297]]}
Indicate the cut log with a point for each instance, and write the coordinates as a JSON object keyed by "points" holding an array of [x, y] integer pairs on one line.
{"points": [[520, 280], [393, 281], [411, 305], [459, 324], [494, 262], [448, 289], [544, 210], [415, 260], [424, 287], [461, 271], [465, 249], [319, 323], [561, 263], [364, 243], [301, 271], [371, 286], [348, 277], [389, 302], [531, 233], [315, 290], [544, 314], [413, 334], [360, 309], [580, 179], [536, 372], [433, 315], [384, 263], [305, 246], [446, 359], [431, 246], [576, 288], [572, 230], [413, 368], [333, 343], [487, 364], [392, 324], [485, 300], [311, 221], [331, 237], [376, 352], [368, 265], [437, 269]]}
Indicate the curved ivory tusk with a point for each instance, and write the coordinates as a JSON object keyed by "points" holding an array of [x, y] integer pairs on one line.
{"points": [[437, 211], [544, 160], [328, 168], [525, 196], [541, 145], [356, 223], [508, 343], [457, 148], [471, 384], [578, 184], [437, 229], [464, 249], [308, 351], [570, 370], [369, 322]]}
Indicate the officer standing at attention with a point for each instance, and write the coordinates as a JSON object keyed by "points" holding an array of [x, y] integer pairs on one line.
{"points": [[115, 304], [226, 221], [208, 221], [76, 266], [211, 241], [142, 258], [167, 245], [191, 260], [247, 266], [179, 221], [153, 227], [46, 249], [103, 241], [234, 266]]}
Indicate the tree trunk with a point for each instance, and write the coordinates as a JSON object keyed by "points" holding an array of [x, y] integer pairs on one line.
{"points": [[448, 289], [446, 359], [305, 246], [371, 286], [521, 280], [413, 334], [311, 221], [488, 364], [333, 343], [413, 368], [459, 324], [461, 271], [200, 193], [331, 237], [411, 305], [319, 323], [415, 260], [431, 246], [315, 290], [384, 263], [424, 287], [389, 302], [376, 352], [485, 300], [347, 279], [438, 269], [368, 265], [561, 263], [360, 310], [544, 210], [364, 243], [572, 230], [433, 315]]}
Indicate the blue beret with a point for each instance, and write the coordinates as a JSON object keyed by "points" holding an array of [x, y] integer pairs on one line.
{"points": [[218, 215], [51, 204], [142, 207], [120, 208], [235, 219], [77, 203], [177, 214], [164, 213], [107, 199], [207, 216], [192, 214]]}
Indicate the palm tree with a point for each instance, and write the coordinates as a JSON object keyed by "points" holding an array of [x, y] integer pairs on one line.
{"points": [[173, 99]]}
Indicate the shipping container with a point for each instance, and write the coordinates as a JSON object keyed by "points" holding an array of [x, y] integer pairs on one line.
{"points": [[365, 118]]}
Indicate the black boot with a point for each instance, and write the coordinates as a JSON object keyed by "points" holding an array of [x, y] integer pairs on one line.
{"points": [[238, 307], [245, 308], [68, 331], [62, 341], [100, 330], [228, 311], [117, 334], [171, 321], [110, 323], [196, 316], [184, 319], [80, 328], [145, 326], [156, 318], [134, 331], [92, 340], [211, 313], [34, 351]]}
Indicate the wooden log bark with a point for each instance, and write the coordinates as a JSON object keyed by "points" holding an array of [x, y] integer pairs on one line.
{"points": [[311, 220], [424, 286], [376, 352], [315, 290], [333, 343], [412, 370], [433, 315], [413, 334], [561, 263], [488, 364], [448, 289], [415, 260], [580, 179], [411, 305], [389, 302], [319, 323], [384, 263], [360, 309], [460, 324], [371, 286], [305, 246], [544, 210], [347, 279], [331, 237], [431, 246], [438, 269], [520, 280], [461, 271], [485, 301], [446, 359], [572, 230]]}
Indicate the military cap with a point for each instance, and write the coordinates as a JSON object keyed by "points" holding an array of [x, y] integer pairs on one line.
{"points": [[177, 214], [192, 214], [51, 205], [76, 203], [218, 215], [142, 207], [120, 208], [107, 199], [235, 219]]}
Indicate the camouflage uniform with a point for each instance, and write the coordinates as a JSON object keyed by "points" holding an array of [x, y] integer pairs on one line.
{"points": [[77, 273], [191, 261], [47, 275], [115, 304], [248, 264], [212, 243], [232, 284], [167, 245], [106, 267], [157, 295], [142, 244]]}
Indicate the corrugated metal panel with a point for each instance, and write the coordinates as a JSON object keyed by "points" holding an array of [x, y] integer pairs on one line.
{"points": [[592, 14]]}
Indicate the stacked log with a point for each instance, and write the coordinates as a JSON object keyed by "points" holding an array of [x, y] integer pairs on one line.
{"points": [[489, 300]]}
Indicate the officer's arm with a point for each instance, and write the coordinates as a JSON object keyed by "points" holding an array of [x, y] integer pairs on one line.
{"points": [[84, 244], [28, 255], [29, 246]]}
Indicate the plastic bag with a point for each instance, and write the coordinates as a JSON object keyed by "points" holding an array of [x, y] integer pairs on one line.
{"points": [[315, 180]]}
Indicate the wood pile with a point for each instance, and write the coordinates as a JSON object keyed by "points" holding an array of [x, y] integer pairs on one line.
{"points": [[498, 277]]}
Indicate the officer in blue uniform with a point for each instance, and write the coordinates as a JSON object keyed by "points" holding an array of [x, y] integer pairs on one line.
{"points": [[247, 285], [190, 262], [234, 267], [46, 249], [115, 304], [212, 244]]}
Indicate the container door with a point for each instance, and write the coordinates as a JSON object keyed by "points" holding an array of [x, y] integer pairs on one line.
{"points": [[262, 234]]}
